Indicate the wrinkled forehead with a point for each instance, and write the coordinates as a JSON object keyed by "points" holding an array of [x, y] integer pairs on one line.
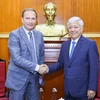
{"points": [[75, 19]]}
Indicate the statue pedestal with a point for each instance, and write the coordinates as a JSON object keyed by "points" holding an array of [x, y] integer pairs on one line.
{"points": [[52, 49], [54, 80]]}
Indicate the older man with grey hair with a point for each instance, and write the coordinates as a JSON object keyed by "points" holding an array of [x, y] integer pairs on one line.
{"points": [[80, 60], [75, 18]]}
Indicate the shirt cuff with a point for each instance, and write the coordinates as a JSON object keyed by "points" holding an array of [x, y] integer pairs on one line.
{"points": [[37, 68]]}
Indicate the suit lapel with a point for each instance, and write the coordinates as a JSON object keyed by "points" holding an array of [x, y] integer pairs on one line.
{"points": [[24, 37], [67, 49], [78, 46]]}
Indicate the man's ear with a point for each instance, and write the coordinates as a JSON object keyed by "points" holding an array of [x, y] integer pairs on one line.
{"points": [[22, 19]]}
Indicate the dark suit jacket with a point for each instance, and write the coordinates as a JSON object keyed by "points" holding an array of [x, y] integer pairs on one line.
{"points": [[21, 62], [81, 72]]}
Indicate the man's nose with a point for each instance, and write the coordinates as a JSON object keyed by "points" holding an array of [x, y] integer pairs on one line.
{"points": [[72, 29], [30, 20]]}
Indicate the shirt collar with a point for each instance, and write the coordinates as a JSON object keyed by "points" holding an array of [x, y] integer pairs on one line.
{"points": [[26, 31], [75, 40]]}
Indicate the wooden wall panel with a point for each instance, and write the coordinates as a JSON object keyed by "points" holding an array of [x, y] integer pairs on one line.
{"points": [[88, 10], [9, 13]]}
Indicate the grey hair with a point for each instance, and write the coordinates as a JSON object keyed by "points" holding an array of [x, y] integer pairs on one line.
{"points": [[75, 18]]}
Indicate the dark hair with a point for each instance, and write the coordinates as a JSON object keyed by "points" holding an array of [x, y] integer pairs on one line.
{"points": [[29, 9]]}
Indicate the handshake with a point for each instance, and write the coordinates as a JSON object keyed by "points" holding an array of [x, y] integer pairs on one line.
{"points": [[43, 69]]}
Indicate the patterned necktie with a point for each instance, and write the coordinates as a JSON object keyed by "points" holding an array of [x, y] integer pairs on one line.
{"points": [[33, 49], [72, 49]]}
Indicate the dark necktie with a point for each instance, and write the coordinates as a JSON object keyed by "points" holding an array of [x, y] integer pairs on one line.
{"points": [[72, 49]]}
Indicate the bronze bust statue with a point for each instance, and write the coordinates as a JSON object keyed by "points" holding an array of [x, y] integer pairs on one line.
{"points": [[51, 30]]}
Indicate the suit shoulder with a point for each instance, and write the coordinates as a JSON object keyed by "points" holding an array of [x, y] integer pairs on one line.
{"points": [[38, 33], [66, 43], [88, 40], [15, 32]]}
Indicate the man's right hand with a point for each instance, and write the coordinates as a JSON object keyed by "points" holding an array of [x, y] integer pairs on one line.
{"points": [[43, 69]]}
